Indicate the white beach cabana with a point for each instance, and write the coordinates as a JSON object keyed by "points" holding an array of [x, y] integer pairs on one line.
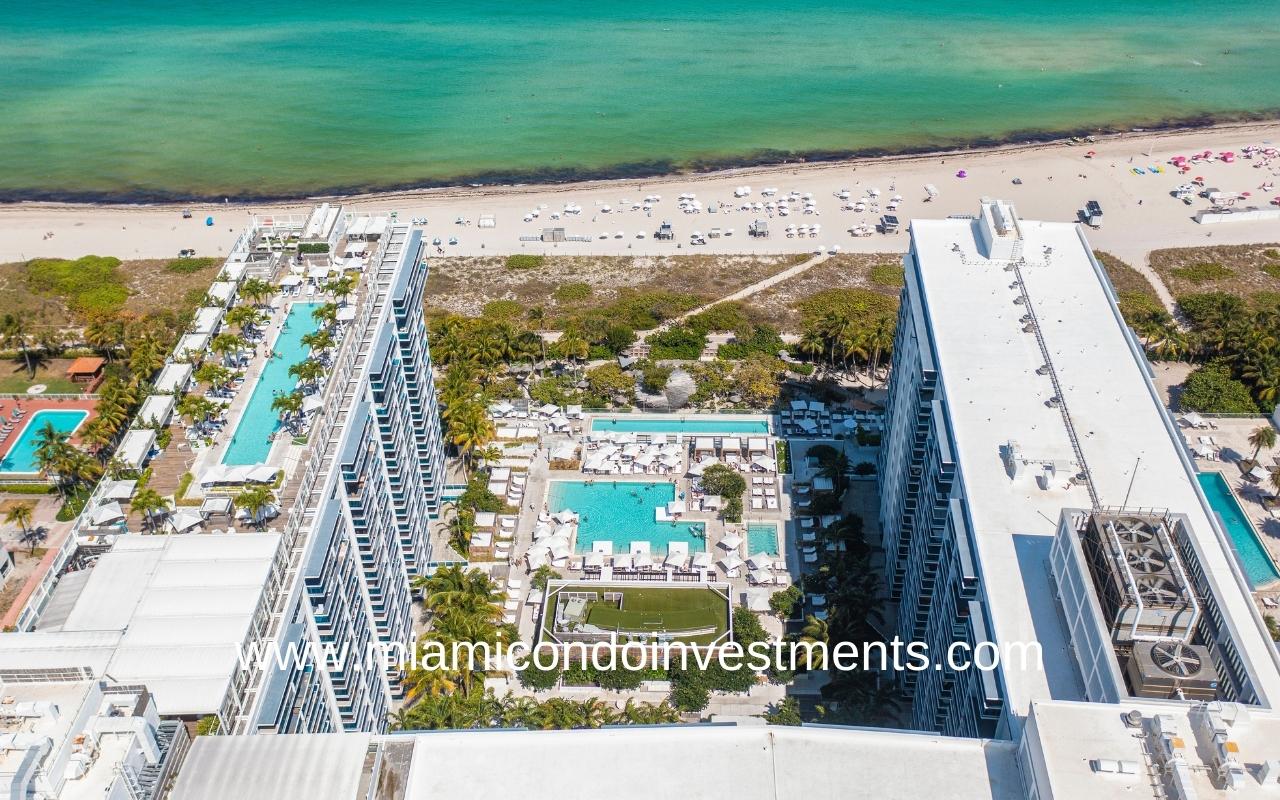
{"points": [[701, 560], [593, 559], [135, 448], [192, 344], [760, 561], [207, 319], [222, 292], [157, 410], [677, 555], [174, 379], [623, 561]]}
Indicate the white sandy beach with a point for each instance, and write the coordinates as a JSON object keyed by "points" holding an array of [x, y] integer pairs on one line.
{"points": [[1057, 179]]}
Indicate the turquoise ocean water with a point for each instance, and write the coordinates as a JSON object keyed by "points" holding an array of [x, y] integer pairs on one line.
{"points": [[144, 99]]}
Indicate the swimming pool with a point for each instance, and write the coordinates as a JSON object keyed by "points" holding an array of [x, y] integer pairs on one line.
{"points": [[21, 458], [251, 442], [762, 537], [1259, 567], [622, 512], [679, 425]]}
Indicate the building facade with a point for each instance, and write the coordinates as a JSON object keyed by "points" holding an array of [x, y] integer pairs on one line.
{"points": [[364, 525]]}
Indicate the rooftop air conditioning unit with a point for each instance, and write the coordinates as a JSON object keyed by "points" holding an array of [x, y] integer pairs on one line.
{"points": [[1172, 670]]}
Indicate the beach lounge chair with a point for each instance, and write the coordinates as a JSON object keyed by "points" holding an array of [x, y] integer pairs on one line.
{"points": [[771, 502], [757, 503]]}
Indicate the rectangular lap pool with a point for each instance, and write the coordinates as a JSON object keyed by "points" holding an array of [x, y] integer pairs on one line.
{"points": [[1259, 567], [251, 441], [762, 537], [622, 512], [21, 458], [704, 425]]}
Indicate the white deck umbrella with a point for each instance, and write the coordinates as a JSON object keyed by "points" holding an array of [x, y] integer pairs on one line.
{"points": [[702, 560], [1193, 419], [676, 559], [560, 550], [623, 561], [731, 561], [185, 519], [643, 560], [593, 559], [761, 576], [761, 561], [108, 513], [1260, 473], [730, 541]]}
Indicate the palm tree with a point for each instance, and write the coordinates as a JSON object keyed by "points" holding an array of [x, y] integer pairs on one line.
{"points": [[815, 633], [213, 374], [449, 585], [326, 314], [50, 447], [1262, 436], [13, 329], [318, 341], [20, 515], [470, 428], [341, 288], [104, 334], [309, 371], [148, 502], [255, 500], [289, 407], [256, 290], [224, 344]]}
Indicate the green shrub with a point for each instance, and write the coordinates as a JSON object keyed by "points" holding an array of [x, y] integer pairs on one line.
{"points": [[729, 316], [1271, 252], [653, 379], [1272, 269], [1202, 272], [801, 369], [782, 450], [1212, 389], [89, 285], [184, 483], [680, 343], [785, 713], [525, 261], [733, 509], [503, 309], [864, 468], [28, 488], [763, 340], [188, 266], [887, 275], [538, 680], [572, 292], [313, 247], [689, 696], [784, 603], [207, 726]]}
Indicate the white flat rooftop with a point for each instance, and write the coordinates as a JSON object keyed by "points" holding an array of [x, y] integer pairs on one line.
{"points": [[169, 611], [1070, 735], [690, 762], [988, 369]]}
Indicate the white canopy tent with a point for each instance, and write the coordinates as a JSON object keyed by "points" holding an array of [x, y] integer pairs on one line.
{"points": [[184, 519]]}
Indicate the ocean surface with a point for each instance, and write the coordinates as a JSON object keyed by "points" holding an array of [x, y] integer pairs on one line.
{"points": [[148, 100]]}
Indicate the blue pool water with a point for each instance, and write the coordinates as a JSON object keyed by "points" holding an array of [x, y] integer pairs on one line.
{"points": [[623, 512], [680, 425], [21, 458], [762, 536], [251, 441], [1259, 567]]}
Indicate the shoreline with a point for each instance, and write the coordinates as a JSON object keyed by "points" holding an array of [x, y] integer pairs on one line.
{"points": [[662, 170]]}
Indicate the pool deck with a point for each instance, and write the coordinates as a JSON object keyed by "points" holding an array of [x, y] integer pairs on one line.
{"points": [[34, 403], [1231, 435]]}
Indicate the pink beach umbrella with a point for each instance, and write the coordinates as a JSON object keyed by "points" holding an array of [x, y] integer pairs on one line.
{"points": [[962, 174]]}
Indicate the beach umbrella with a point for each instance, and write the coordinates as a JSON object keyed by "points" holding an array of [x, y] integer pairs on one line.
{"points": [[962, 174], [760, 561], [702, 560], [731, 541]]}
